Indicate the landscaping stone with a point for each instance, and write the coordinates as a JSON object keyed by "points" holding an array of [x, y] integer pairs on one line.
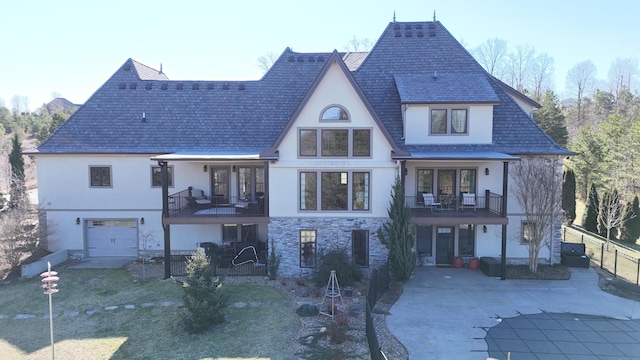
{"points": [[3, 316], [91, 312], [129, 306], [239, 304], [254, 304], [149, 304], [69, 313], [23, 316], [303, 292], [110, 308], [307, 310], [166, 303]]}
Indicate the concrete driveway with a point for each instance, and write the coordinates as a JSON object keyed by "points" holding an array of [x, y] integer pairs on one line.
{"points": [[446, 313]]}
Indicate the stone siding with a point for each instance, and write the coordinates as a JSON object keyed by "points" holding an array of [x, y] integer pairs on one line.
{"points": [[332, 232]]}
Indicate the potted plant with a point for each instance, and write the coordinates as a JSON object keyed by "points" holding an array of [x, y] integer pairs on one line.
{"points": [[457, 262]]}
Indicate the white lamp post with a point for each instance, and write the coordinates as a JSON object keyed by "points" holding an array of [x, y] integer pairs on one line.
{"points": [[49, 279]]}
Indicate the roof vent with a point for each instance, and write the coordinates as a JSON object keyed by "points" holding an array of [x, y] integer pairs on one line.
{"points": [[241, 87], [210, 86], [164, 86], [419, 33], [292, 58], [432, 26], [432, 33], [195, 87], [312, 59], [126, 67], [320, 58], [407, 27], [225, 86], [144, 116], [179, 86], [148, 86], [122, 86], [408, 33], [418, 26], [396, 27], [133, 86], [398, 34], [300, 59], [435, 76]]}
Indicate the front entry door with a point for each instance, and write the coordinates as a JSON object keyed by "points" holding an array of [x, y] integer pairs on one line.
{"points": [[220, 182], [444, 245]]}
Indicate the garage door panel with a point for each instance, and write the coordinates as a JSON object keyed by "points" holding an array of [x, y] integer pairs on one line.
{"points": [[106, 237]]}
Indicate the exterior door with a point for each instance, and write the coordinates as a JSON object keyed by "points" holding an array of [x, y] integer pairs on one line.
{"points": [[444, 245], [112, 238], [220, 185], [446, 187]]}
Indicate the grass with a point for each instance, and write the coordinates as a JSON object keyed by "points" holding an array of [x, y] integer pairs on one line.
{"points": [[153, 332]]}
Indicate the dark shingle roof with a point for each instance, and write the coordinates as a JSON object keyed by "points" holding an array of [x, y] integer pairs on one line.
{"points": [[445, 88], [247, 117]]}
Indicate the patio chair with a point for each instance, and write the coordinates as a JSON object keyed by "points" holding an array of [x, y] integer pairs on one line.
{"points": [[430, 201], [469, 201], [198, 201]]}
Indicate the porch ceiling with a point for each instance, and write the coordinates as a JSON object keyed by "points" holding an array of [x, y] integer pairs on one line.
{"points": [[476, 155], [205, 157], [459, 220]]}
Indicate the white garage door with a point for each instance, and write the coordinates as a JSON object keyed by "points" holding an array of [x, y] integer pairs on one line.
{"points": [[112, 237]]}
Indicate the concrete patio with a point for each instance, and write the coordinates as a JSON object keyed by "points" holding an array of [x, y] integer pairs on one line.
{"points": [[447, 313]]}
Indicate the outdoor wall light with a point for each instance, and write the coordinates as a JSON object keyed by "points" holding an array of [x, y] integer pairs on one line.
{"points": [[77, 221], [233, 168], [204, 168], [141, 221], [486, 171], [484, 229]]}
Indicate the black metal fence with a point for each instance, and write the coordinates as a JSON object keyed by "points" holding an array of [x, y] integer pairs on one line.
{"points": [[618, 259], [378, 285], [179, 268]]}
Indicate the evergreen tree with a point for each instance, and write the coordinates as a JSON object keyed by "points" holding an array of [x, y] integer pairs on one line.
{"points": [[398, 236], [590, 217], [551, 120], [204, 298], [569, 196], [17, 190], [589, 164], [630, 231]]}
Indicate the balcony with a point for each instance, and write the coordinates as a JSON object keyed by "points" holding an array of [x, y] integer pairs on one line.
{"points": [[453, 210], [194, 206]]}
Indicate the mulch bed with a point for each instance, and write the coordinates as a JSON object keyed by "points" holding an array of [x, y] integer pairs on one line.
{"points": [[544, 272]]}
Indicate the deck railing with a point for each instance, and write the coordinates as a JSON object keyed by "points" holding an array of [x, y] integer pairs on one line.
{"points": [[194, 202], [489, 202]]}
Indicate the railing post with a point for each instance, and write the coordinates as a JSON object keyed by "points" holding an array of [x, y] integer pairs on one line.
{"points": [[638, 273], [602, 256], [582, 238], [615, 264]]}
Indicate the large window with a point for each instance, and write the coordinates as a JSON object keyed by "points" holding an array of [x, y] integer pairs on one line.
{"points": [[360, 247], [100, 176], [156, 176], [334, 113], [448, 121], [308, 247], [337, 191], [425, 182], [528, 230], [424, 240], [468, 181], [250, 181], [466, 240], [334, 142]]}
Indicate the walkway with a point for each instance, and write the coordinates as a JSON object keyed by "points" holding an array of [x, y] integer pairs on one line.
{"points": [[448, 313]]}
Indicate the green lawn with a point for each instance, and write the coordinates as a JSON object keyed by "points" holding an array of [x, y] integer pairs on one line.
{"points": [[258, 330]]}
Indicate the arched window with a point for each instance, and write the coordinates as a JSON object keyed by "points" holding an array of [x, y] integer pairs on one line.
{"points": [[334, 113]]}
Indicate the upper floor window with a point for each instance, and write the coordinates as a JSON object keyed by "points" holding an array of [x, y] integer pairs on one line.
{"points": [[100, 176], [334, 113], [334, 191], [448, 121], [335, 142], [156, 176]]}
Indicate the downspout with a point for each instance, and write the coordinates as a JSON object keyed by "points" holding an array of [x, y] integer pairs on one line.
{"points": [[505, 189], [165, 214]]}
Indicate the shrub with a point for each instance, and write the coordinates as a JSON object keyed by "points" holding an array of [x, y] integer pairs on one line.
{"points": [[273, 262], [204, 297], [336, 259]]}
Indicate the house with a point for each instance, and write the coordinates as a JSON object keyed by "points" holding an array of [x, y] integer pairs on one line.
{"points": [[60, 104], [306, 156]]}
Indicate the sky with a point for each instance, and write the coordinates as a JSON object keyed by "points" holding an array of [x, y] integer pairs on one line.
{"points": [[70, 48]]}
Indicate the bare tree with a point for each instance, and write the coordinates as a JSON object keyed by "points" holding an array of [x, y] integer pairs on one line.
{"points": [[265, 62], [20, 103], [580, 80], [356, 44], [537, 187], [519, 65], [541, 75], [491, 55], [623, 74], [612, 214], [19, 235]]}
